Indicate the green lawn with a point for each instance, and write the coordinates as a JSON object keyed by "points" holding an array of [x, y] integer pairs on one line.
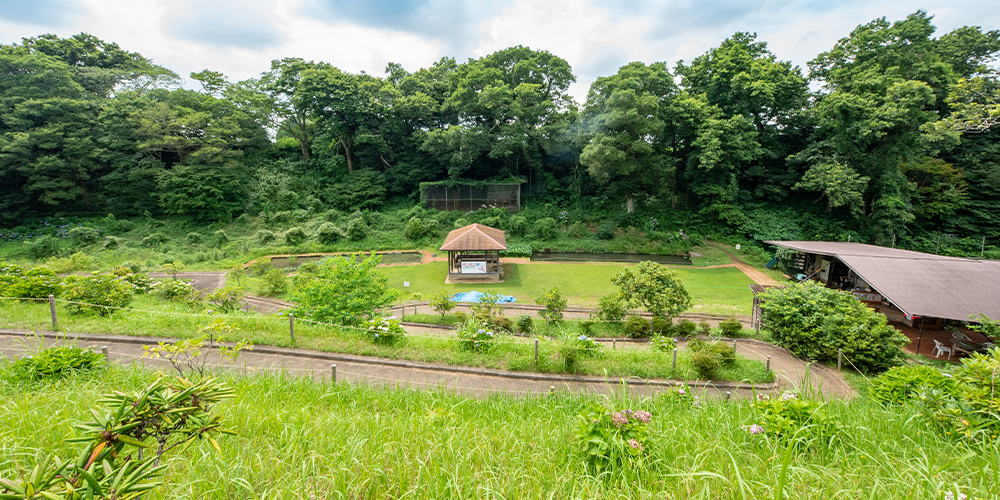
{"points": [[719, 291]]}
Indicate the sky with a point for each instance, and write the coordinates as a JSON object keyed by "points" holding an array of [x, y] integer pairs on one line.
{"points": [[241, 37]]}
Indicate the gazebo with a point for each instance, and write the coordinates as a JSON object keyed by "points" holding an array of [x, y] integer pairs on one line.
{"points": [[474, 254]]}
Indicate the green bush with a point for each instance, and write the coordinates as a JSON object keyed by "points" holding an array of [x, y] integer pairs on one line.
{"points": [[176, 290], [76, 262], [970, 410], [610, 440], [606, 230], [221, 238], [357, 230], [661, 325], [345, 291], [441, 302], [789, 416], [525, 324], [141, 281], [43, 247], [38, 283], [503, 323], [636, 327], [54, 363], [295, 236], [414, 229], [84, 235], [577, 230], [612, 307], [900, 384], [706, 364], [275, 282], [723, 352], [546, 228], [226, 299], [522, 250], [193, 238], [460, 222], [572, 348], [662, 343], [154, 239], [554, 303], [386, 331], [517, 226], [260, 267], [328, 233], [100, 293], [476, 336], [686, 327], [731, 328], [704, 327], [432, 227], [814, 322], [112, 242], [263, 237]]}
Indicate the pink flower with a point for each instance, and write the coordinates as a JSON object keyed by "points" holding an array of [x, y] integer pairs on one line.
{"points": [[635, 444], [753, 429], [619, 419], [680, 392], [643, 416]]}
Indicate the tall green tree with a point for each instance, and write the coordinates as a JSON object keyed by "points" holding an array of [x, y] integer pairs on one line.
{"points": [[47, 151]]}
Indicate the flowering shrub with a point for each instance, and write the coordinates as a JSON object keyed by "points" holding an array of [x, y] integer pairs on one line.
{"points": [[663, 344], [175, 290], [100, 293], [573, 348], [609, 439], [141, 281], [386, 331], [37, 283], [476, 337]]}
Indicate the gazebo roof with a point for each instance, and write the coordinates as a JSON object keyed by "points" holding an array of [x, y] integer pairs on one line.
{"points": [[475, 237]]}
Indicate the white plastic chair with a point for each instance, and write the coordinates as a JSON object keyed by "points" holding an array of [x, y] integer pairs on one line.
{"points": [[961, 337], [940, 348]]}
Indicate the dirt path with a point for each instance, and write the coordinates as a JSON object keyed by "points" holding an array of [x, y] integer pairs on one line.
{"points": [[753, 273]]}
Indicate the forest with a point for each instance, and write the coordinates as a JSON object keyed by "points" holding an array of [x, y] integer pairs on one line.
{"points": [[888, 137]]}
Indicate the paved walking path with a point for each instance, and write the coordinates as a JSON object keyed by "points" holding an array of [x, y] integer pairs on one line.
{"points": [[790, 372]]}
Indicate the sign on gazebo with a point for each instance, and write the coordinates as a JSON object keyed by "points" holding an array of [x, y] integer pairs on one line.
{"points": [[474, 254]]}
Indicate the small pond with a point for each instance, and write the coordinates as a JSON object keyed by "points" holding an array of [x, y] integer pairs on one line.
{"points": [[387, 258], [673, 260]]}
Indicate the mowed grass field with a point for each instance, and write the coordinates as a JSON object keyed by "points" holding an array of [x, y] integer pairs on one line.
{"points": [[716, 291]]}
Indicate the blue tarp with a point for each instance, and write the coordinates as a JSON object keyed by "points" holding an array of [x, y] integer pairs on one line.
{"points": [[474, 296]]}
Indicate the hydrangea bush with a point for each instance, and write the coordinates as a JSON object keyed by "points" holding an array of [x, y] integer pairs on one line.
{"points": [[610, 439], [386, 331]]}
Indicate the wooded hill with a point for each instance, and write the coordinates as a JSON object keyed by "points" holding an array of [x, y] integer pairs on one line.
{"points": [[893, 143]]}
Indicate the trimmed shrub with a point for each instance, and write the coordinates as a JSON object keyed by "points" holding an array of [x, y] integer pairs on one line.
{"points": [[546, 228], [105, 293], [503, 323], [263, 237], [731, 328], [175, 290], [706, 364], [661, 325], [686, 327], [84, 235], [725, 353], [193, 239], [636, 327], [295, 236]]}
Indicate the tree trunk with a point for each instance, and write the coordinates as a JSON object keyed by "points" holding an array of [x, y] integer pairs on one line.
{"points": [[305, 148], [630, 203], [347, 153]]}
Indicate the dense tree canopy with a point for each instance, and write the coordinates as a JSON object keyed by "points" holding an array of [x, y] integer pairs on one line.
{"points": [[896, 140]]}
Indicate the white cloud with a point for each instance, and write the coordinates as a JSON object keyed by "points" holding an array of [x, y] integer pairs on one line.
{"points": [[240, 38]]}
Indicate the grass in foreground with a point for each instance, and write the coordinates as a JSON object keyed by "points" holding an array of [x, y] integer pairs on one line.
{"points": [[152, 318], [302, 439]]}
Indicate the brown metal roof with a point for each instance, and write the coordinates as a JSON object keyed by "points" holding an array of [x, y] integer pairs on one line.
{"points": [[918, 283], [475, 237]]}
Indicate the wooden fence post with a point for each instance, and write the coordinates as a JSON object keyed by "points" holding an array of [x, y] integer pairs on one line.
{"points": [[52, 308], [291, 327]]}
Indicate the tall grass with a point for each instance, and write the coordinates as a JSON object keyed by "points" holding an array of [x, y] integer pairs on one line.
{"points": [[301, 439], [154, 318]]}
